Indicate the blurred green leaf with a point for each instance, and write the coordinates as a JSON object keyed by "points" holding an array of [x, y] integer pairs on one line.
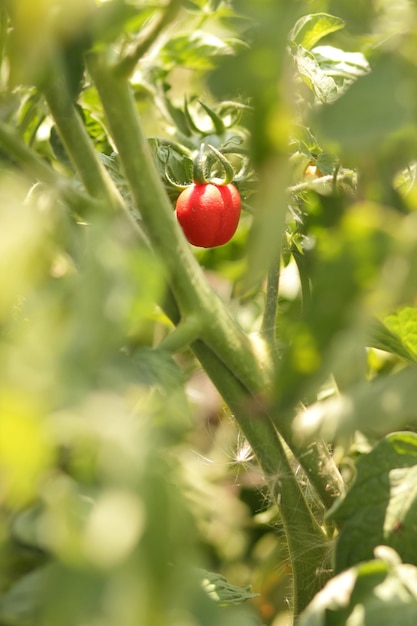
{"points": [[375, 408], [383, 338], [326, 163], [323, 86], [155, 367], [308, 30], [381, 505], [329, 71], [306, 141], [222, 591], [344, 67], [118, 17], [375, 593], [194, 50], [373, 105], [41, 32], [21, 605], [404, 325], [342, 262]]}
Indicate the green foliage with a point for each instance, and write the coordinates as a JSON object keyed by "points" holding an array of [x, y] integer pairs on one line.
{"points": [[375, 510], [374, 592], [127, 493], [309, 29], [379, 110]]}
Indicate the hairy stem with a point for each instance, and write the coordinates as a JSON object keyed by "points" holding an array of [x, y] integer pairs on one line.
{"points": [[271, 303], [190, 288], [307, 543], [222, 348]]}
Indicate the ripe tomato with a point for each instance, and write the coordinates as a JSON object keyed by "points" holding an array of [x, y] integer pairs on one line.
{"points": [[208, 213]]}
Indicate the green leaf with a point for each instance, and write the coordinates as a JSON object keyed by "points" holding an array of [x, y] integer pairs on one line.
{"points": [[21, 604], [173, 160], [323, 86], [375, 408], [404, 325], [311, 28], [193, 50], [344, 264], [380, 592], [155, 367], [222, 591], [344, 67], [370, 110], [328, 71], [114, 18], [385, 336], [307, 143], [326, 163], [381, 505]]}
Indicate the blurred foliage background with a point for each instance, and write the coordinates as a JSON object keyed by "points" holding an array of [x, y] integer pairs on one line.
{"points": [[123, 478]]}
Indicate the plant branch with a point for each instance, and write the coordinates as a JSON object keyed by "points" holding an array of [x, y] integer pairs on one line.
{"points": [[126, 66], [81, 151], [190, 288], [329, 182], [78, 144], [307, 543], [186, 331], [223, 349], [30, 162], [271, 303]]}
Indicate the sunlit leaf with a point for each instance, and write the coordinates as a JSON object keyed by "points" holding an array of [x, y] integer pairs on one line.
{"points": [[194, 50], [309, 29], [404, 325], [382, 338], [343, 66], [328, 71], [323, 86]]}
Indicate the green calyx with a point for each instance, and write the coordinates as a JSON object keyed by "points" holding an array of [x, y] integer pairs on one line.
{"points": [[204, 164]]}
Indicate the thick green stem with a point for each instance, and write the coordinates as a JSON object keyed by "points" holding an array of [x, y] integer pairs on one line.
{"points": [[80, 149], [223, 349], [190, 288], [186, 331], [271, 303], [307, 543], [78, 144]]}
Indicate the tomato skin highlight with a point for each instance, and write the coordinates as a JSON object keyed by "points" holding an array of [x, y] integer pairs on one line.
{"points": [[208, 214]]}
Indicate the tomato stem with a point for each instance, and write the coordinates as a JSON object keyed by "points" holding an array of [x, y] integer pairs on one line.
{"points": [[227, 167], [225, 350], [199, 167]]}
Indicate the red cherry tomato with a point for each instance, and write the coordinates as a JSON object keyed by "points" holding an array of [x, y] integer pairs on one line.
{"points": [[209, 213]]}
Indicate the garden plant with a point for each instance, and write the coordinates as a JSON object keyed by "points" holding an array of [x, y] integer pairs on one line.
{"points": [[208, 313]]}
